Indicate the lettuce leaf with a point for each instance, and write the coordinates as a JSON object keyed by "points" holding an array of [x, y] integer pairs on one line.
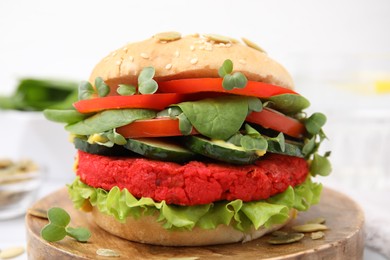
{"points": [[242, 215]]}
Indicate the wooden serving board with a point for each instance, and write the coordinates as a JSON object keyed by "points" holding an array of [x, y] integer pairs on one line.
{"points": [[343, 240]]}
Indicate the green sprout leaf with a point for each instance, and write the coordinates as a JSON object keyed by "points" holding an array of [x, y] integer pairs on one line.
{"points": [[102, 88], [148, 87], [116, 138], [315, 122], [146, 83], [126, 90], [250, 143], [320, 165], [231, 81], [226, 68], [236, 80], [57, 228], [146, 74], [309, 146], [86, 91], [80, 234], [251, 131], [254, 104], [280, 140]]}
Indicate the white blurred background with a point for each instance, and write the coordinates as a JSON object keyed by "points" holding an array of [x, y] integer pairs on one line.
{"points": [[338, 52]]}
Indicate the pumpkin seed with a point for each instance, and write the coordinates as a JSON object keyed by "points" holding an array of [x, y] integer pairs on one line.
{"points": [[11, 252], [286, 239], [253, 45], [319, 220], [107, 252], [218, 38], [37, 212], [309, 227], [168, 36], [317, 235], [278, 233]]}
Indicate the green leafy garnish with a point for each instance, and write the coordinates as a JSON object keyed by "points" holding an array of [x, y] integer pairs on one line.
{"points": [[315, 122], [69, 116], [221, 117], [86, 90], [289, 103], [58, 228], [101, 87], [320, 165], [107, 120], [231, 80], [126, 90], [146, 83], [226, 68], [116, 138]]}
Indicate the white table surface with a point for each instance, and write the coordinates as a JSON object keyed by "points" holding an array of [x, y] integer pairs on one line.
{"points": [[13, 232]]}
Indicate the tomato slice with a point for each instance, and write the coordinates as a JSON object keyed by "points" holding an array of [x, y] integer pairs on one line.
{"points": [[277, 121], [158, 127], [195, 85], [152, 101]]}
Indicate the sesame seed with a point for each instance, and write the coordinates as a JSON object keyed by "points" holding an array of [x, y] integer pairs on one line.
{"points": [[125, 48], [177, 54], [163, 42], [144, 55], [194, 60], [201, 47], [192, 47], [113, 54], [118, 62], [168, 66], [242, 61], [228, 45], [131, 58]]}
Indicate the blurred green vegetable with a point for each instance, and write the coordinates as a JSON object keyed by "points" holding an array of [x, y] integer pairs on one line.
{"points": [[38, 94]]}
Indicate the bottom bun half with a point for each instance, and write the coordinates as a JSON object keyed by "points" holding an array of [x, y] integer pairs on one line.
{"points": [[148, 231]]}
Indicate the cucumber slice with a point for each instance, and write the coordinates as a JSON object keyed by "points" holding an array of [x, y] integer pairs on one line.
{"points": [[289, 149], [160, 149], [116, 150], [220, 150]]}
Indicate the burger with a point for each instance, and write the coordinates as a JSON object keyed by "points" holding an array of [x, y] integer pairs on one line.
{"points": [[193, 140]]}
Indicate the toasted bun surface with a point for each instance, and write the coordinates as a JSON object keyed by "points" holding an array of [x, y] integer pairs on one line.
{"points": [[147, 230], [187, 57]]}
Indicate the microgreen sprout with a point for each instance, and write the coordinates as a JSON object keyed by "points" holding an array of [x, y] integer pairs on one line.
{"points": [[126, 90], [101, 87], [253, 140], [87, 91], [58, 228], [231, 80], [146, 83]]}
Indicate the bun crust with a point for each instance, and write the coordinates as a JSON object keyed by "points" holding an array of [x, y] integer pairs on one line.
{"points": [[147, 230], [188, 57]]}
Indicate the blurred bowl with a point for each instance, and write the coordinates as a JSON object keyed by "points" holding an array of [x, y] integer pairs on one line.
{"points": [[19, 186]]}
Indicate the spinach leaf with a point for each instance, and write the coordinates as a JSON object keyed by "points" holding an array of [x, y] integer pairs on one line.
{"points": [[69, 116], [108, 120], [289, 103], [217, 118]]}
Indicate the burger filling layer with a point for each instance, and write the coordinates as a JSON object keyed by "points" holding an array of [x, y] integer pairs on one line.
{"points": [[193, 183]]}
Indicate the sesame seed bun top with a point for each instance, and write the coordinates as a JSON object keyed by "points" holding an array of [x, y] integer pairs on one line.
{"points": [[193, 56]]}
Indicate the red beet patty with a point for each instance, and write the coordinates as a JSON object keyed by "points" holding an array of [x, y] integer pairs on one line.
{"points": [[193, 183]]}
